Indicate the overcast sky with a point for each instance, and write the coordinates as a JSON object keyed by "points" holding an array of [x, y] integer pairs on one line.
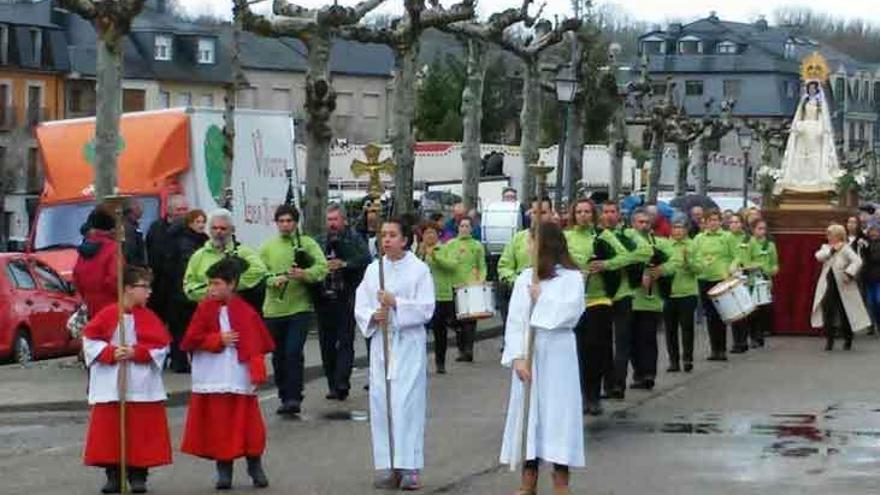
{"points": [[657, 11]]}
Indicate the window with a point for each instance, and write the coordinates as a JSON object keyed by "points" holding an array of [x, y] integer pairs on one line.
{"points": [[49, 280], [207, 100], [6, 110], [162, 49], [862, 131], [164, 99], [206, 51], [184, 99], [732, 88], [246, 98], [34, 103], [727, 47], [877, 92], [789, 49], [4, 44], [36, 46], [865, 91], [344, 103], [134, 100], [839, 89], [852, 131], [34, 177], [371, 105], [690, 45], [653, 47], [659, 88], [20, 276], [791, 89], [693, 88], [74, 102], [281, 99]]}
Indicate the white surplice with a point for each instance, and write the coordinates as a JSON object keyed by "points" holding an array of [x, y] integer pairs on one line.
{"points": [[410, 281], [221, 372], [144, 380], [556, 425]]}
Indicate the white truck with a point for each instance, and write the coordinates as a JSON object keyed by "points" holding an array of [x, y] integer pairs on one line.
{"points": [[175, 151]]}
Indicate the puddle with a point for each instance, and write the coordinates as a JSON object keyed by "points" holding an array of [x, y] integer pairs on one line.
{"points": [[358, 416]]}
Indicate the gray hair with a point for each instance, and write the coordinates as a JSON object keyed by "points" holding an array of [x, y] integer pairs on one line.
{"points": [[336, 207], [220, 214], [680, 219], [639, 210], [173, 201]]}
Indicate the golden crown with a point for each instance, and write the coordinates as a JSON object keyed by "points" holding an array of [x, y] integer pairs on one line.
{"points": [[814, 68]]}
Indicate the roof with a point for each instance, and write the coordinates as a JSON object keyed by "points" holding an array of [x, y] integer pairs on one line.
{"points": [[28, 14]]}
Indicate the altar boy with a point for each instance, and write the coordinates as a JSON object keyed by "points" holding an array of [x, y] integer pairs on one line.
{"points": [[228, 341], [146, 345]]}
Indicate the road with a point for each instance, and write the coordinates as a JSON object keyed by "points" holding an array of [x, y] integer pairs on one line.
{"points": [[790, 419]]}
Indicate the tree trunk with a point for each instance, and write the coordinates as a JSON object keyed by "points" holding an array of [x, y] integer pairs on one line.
{"points": [[684, 163], [402, 136], [656, 170], [530, 118], [472, 114], [703, 170], [617, 150], [108, 89], [574, 149], [321, 101], [229, 103]]}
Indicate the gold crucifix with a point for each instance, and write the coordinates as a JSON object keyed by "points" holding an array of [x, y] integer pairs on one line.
{"points": [[373, 167]]}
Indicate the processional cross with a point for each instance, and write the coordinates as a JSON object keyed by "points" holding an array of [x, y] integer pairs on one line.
{"points": [[373, 167]]}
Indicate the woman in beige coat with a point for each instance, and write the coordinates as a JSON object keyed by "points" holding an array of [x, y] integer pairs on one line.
{"points": [[838, 304]]}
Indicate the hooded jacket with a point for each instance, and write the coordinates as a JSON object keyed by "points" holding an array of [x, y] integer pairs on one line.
{"points": [[94, 273]]}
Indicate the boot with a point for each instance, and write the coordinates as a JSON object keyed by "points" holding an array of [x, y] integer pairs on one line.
{"points": [[560, 482], [847, 344], [137, 479], [112, 484], [255, 471], [529, 482], [829, 344], [224, 475]]}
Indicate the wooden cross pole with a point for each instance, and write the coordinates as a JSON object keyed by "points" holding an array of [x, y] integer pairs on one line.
{"points": [[373, 167]]}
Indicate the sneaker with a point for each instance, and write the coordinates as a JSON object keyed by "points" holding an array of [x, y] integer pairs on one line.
{"points": [[289, 408], [386, 480], [688, 367], [410, 481]]}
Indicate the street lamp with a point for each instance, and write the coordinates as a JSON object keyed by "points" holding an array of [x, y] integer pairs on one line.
{"points": [[744, 136], [566, 91]]}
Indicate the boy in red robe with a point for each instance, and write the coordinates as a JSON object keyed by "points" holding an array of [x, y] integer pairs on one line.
{"points": [[228, 341], [146, 345]]}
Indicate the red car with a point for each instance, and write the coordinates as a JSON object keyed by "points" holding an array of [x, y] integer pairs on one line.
{"points": [[35, 303]]}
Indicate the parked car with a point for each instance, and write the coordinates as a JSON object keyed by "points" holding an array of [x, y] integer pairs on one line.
{"points": [[35, 303]]}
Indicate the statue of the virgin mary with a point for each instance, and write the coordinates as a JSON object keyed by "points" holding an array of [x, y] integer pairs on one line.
{"points": [[810, 161]]}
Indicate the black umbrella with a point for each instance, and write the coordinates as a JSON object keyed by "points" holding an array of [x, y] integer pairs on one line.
{"points": [[686, 202]]}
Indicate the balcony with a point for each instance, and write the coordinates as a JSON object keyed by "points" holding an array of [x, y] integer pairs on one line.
{"points": [[12, 118]]}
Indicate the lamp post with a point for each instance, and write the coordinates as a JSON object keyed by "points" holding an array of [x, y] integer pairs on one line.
{"points": [[566, 91], [744, 136]]}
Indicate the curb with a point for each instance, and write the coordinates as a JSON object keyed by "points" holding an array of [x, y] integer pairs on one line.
{"points": [[179, 398]]}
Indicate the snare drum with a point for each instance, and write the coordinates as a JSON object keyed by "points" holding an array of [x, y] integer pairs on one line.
{"points": [[732, 300], [475, 301], [761, 292]]}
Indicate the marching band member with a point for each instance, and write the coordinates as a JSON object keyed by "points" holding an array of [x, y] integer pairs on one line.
{"points": [[682, 301], [470, 267], [762, 254], [555, 424], [405, 306], [594, 329], [147, 441], [442, 268], [631, 252], [228, 341], [741, 246], [515, 257], [714, 256], [837, 303], [647, 304]]}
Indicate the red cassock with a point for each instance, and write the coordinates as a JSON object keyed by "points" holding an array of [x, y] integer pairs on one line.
{"points": [[148, 443], [226, 424]]}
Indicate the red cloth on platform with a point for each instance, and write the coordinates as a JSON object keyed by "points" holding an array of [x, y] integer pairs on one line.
{"points": [[147, 442], [224, 427], [795, 284]]}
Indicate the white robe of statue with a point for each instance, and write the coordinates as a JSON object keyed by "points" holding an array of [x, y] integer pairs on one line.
{"points": [[810, 161], [556, 422], [410, 281]]}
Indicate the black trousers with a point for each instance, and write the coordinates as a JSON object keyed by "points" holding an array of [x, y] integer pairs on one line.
{"points": [[741, 330], [762, 321], [178, 321], [443, 319], [717, 328], [644, 352], [678, 313], [288, 361], [336, 327], [595, 350], [622, 318]]}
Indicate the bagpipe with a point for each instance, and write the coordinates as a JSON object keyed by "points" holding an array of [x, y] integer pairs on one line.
{"points": [[301, 259], [252, 295], [603, 250], [633, 272], [659, 258]]}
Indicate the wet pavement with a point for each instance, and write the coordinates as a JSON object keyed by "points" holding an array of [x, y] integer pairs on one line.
{"points": [[789, 419]]}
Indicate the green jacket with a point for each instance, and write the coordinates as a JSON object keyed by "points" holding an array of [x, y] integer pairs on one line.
{"points": [[515, 258], [684, 268], [625, 257], [644, 300], [468, 254], [762, 254], [580, 247], [740, 244], [442, 267], [278, 255], [714, 255], [195, 279]]}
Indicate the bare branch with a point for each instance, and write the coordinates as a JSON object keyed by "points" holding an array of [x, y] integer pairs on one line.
{"points": [[282, 26], [131, 8], [553, 37], [493, 29], [83, 8], [287, 9], [531, 20], [369, 35], [438, 16]]}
